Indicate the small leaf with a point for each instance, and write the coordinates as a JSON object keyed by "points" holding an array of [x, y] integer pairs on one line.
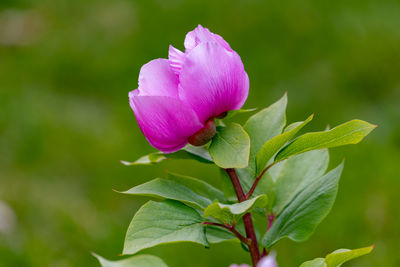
{"points": [[338, 257], [135, 261], [230, 147], [305, 210], [229, 213], [233, 113], [158, 223], [318, 262], [169, 189], [351, 132], [189, 152], [272, 146], [264, 125]]}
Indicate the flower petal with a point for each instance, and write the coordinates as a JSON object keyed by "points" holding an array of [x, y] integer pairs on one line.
{"points": [[166, 122], [156, 78], [202, 35], [176, 58], [213, 81]]}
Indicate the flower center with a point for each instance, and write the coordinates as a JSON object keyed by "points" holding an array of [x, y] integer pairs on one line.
{"points": [[204, 135]]}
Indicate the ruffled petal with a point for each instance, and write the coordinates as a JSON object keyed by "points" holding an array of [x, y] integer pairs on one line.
{"points": [[166, 122], [202, 35], [156, 78], [176, 58], [213, 81]]}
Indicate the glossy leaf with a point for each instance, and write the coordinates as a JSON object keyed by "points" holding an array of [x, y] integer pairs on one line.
{"points": [[230, 147], [292, 174], [229, 213], [189, 152], [169, 189], [164, 222], [351, 132], [264, 125], [198, 186], [135, 261], [233, 113], [305, 210], [272, 146], [338, 257]]}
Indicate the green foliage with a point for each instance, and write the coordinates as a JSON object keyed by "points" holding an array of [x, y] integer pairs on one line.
{"points": [[236, 112], [264, 125], [290, 175], [134, 261], [272, 146], [305, 209], [158, 223], [231, 213], [230, 147], [189, 152], [338, 257], [169, 189], [351, 132]]}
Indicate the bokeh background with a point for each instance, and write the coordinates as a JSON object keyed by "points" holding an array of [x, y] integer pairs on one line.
{"points": [[66, 67]]}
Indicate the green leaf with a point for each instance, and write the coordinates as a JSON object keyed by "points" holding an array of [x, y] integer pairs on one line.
{"points": [[292, 174], [164, 222], [264, 125], [230, 147], [305, 210], [338, 257], [135, 261], [189, 152], [198, 186], [318, 262], [272, 146], [169, 189], [217, 234], [351, 132], [233, 113], [229, 213]]}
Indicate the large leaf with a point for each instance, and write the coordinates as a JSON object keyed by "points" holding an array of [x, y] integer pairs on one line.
{"points": [[305, 210], [169, 189], [338, 257], [216, 234], [272, 146], [264, 125], [135, 261], [229, 213], [230, 147], [158, 223], [351, 132], [189, 152], [292, 174]]}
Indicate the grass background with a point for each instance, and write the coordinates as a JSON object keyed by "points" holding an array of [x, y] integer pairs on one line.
{"points": [[66, 67]]}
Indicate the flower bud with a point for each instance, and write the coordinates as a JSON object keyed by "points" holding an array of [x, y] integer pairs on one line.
{"points": [[204, 135]]}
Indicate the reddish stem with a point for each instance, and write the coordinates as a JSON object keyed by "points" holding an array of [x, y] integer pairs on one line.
{"points": [[248, 221], [257, 180]]}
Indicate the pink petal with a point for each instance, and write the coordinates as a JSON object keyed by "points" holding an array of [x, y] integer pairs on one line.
{"points": [[165, 122], [213, 81], [176, 58], [268, 261], [158, 79], [202, 35]]}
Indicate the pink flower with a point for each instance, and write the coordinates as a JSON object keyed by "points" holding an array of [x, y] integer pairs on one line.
{"points": [[268, 261], [179, 97]]}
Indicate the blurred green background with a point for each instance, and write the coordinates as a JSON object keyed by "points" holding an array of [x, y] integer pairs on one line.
{"points": [[66, 67]]}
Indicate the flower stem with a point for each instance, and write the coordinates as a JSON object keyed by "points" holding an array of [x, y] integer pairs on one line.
{"points": [[257, 180], [248, 221]]}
